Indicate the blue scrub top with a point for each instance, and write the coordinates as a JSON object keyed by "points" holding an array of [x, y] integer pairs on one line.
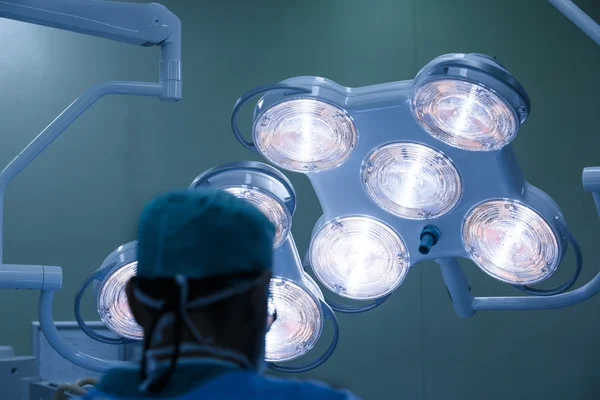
{"points": [[206, 382]]}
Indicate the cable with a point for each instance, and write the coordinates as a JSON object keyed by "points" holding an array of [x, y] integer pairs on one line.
{"points": [[249, 95], [77, 308], [578, 267]]}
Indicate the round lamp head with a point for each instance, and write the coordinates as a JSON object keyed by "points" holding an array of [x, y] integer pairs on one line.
{"points": [[411, 180], [111, 299], [299, 321], [469, 101], [511, 242], [305, 135], [263, 186], [358, 257]]}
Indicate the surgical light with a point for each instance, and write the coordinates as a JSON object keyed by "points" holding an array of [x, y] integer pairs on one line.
{"points": [[411, 180], [113, 307], [298, 325], [464, 115], [297, 300], [305, 135], [263, 186], [469, 101], [268, 205], [381, 106], [359, 257], [511, 242], [111, 299], [420, 183]]}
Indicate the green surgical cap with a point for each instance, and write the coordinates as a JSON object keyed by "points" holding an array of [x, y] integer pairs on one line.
{"points": [[203, 233]]}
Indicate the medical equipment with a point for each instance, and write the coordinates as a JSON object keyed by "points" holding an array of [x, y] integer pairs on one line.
{"points": [[301, 309], [137, 24], [421, 170], [16, 374], [52, 367], [43, 374], [433, 156]]}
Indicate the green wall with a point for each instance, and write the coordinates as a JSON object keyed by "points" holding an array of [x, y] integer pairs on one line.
{"points": [[80, 199]]}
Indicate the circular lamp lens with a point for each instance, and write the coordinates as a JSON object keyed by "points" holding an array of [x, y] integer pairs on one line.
{"points": [[412, 181], [269, 206], [113, 307], [359, 258], [305, 135], [298, 325], [464, 115], [511, 242]]}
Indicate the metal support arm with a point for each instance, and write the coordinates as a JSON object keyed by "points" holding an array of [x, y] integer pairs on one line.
{"points": [[579, 18], [137, 24], [33, 277], [466, 305], [37, 277], [591, 183], [61, 346], [457, 286]]}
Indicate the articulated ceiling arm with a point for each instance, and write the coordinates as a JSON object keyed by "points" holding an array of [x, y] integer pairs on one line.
{"points": [[579, 18], [137, 24]]}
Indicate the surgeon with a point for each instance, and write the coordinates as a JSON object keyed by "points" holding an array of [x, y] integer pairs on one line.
{"points": [[200, 294]]}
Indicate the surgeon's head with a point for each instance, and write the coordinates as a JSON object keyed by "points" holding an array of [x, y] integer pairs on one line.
{"points": [[204, 266]]}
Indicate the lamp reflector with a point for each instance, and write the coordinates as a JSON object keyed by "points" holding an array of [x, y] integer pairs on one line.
{"points": [[411, 180], [359, 257], [305, 135], [269, 206], [511, 242], [465, 115], [298, 325], [113, 307]]}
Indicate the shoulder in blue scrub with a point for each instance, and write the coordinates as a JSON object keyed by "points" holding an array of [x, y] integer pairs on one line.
{"points": [[247, 386]]}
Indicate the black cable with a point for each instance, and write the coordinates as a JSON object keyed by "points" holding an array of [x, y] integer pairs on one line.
{"points": [[578, 267]]}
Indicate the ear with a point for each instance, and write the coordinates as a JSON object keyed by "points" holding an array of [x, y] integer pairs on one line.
{"points": [[134, 304]]}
